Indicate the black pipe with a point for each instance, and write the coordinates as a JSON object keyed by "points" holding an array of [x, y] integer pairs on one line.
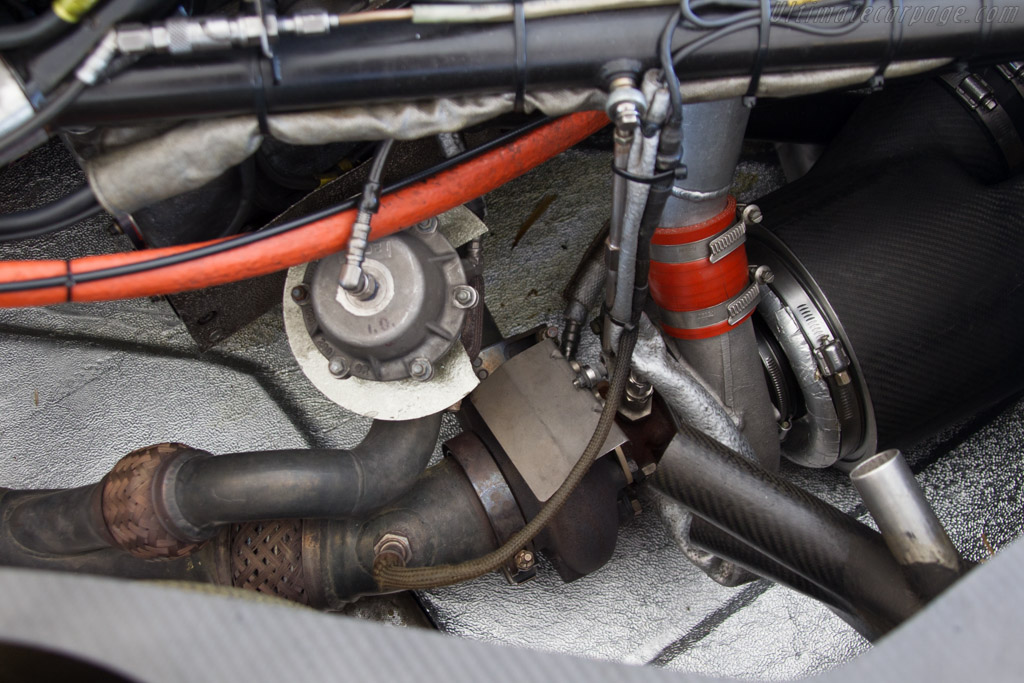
{"points": [[199, 493], [60, 531], [59, 522], [441, 518], [790, 526], [292, 484], [710, 538], [409, 61]]}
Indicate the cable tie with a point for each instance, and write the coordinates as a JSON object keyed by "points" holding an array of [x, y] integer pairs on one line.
{"points": [[763, 33], [892, 47], [519, 36], [69, 279], [644, 179]]}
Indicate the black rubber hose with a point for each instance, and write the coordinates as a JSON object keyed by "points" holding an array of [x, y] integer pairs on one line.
{"points": [[790, 526], [584, 292], [32, 132], [290, 484], [36, 30], [53, 227], [50, 67], [66, 207]]}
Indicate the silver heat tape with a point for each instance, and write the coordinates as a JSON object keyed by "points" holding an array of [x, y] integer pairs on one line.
{"points": [[192, 154], [686, 395], [642, 156], [692, 401], [171, 162]]}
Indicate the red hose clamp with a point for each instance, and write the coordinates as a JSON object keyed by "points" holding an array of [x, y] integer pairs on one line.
{"points": [[699, 276]]}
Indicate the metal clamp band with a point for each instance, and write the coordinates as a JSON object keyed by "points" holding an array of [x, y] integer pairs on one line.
{"points": [[732, 311], [980, 99], [740, 307], [494, 493], [715, 248], [727, 242], [1013, 72]]}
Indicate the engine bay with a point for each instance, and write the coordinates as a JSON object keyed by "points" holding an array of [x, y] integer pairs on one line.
{"points": [[681, 335]]}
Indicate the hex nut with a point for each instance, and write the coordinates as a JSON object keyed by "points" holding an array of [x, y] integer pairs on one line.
{"points": [[421, 369], [524, 560], [752, 214], [427, 226], [395, 544], [338, 368], [763, 275], [465, 296]]}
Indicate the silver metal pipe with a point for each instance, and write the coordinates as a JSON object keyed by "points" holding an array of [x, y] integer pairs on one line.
{"points": [[712, 138], [914, 534], [685, 393]]}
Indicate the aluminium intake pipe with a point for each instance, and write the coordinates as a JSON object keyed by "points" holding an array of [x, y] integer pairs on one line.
{"points": [[908, 524]]}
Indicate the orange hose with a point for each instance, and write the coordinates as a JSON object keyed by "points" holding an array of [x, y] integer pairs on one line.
{"points": [[398, 210]]}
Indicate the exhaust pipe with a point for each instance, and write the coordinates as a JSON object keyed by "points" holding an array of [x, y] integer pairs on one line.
{"points": [[914, 534]]}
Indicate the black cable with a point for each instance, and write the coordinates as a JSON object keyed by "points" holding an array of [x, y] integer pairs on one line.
{"points": [[12, 144], [668, 71], [51, 228], [519, 32], [249, 238], [43, 216], [372, 189], [246, 196], [36, 30], [379, 159]]}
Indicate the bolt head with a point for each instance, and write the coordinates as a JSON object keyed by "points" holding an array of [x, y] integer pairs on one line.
{"points": [[482, 374], [338, 368], [764, 275], [627, 116], [465, 296], [428, 226], [394, 543], [524, 560], [300, 294], [420, 369], [752, 214]]}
